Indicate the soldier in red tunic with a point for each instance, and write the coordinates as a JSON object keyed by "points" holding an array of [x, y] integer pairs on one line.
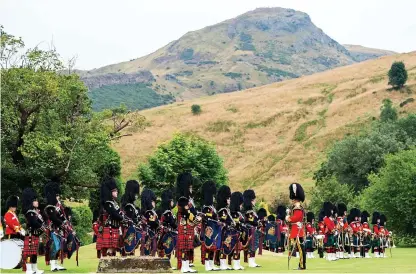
{"points": [[282, 237], [35, 226], [355, 224], [13, 228], [296, 220], [330, 231], [187, 219], [383, 234], [321, 233], [366, 235], [342, 227]]}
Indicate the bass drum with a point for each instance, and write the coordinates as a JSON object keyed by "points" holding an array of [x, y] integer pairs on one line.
{"points": [[11, 253]]}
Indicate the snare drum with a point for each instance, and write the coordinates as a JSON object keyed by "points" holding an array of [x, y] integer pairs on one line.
{"points": [[11, 253]]}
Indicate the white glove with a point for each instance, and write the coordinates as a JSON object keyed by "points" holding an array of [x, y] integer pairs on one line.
{"points": [[1, 234], [287, 218], [22, 232]]}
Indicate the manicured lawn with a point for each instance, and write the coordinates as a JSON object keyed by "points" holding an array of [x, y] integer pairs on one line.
{"points": [[403, 260]]}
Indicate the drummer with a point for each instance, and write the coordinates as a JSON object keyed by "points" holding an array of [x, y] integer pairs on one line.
{"points": [[13, 228]]}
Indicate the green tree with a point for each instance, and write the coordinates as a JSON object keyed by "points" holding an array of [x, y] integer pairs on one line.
{"points": [[397, 75], [48, 131], [82, 219], [196, 109], [330, 190], [388, 112], [393, 192], [185, 152], [352, 159]]}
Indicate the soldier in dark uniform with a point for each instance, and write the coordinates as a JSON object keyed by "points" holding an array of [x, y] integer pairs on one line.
{"points": [[236, 206], [168, 224], [131, 194], [209, 247], [187, 219], [262, 215], [282, 237], [251, 222], [296, 220], [224, 216], [35, 226], [150, 224], [112, 218]]}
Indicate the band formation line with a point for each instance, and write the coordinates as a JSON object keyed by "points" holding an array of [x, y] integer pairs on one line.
{"points": [[226, 226]]}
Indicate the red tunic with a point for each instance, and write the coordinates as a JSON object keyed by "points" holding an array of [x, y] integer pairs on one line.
{"points": [[321, 228], [12, 223], [375, 229], [310, 230], [329, 225], [297, 217]]}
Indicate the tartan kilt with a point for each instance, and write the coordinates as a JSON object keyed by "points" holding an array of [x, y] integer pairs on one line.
{"points": [[30, 246], [99, 241], [185, 237], [329, 240], [110, 238]]}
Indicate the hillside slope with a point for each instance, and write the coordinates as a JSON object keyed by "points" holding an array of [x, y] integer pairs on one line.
{"points": [[360, 53], [258, 47], [272, 135]]}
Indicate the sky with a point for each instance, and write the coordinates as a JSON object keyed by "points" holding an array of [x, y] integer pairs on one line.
{"points": [[103, 32]]}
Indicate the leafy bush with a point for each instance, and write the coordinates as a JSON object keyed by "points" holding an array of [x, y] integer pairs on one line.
{"points": [[392, 191], [134, 96], [187, 54], [407, 101], [277, 72], [82, 220], [388, 112], [397, 75], [233, 75], [246, 42], [196, 109], [184, 152]]}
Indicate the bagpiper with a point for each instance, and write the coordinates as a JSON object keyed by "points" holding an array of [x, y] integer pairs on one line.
{"points": [[282, 237], [296, 220], [375, 221], [97, 229], [354, 221], [112, 218], [321, 233], [262, 215], [150, 225], [168, 226], [330, 231], [35, 226], [272, 233], [229, 232], [61, 229], [131, 229], [211, 231], [233, 245], [383, 234], [13, 228], [310, 234], [342, 226], [187, 219], [366, 235], [251, 221]]}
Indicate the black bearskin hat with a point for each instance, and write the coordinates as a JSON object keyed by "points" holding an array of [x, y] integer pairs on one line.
{"points": [[131, 190], [147, 198], [376, 216], [271, 218], [29, 195], [321, 215], [383, 220], [12, 201], [183, 183], [209, 189], [107, 186], [354, 213], [310, 216], [281, 212], [223, 194], [167, 197], [51, 190], [236, 201], [248, 195], [328, 209], [296, 192], [261, 213], [364, 216], [342, 208]]}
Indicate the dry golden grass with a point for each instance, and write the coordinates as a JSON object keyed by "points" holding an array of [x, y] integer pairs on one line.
{"points": [[279, 133]]}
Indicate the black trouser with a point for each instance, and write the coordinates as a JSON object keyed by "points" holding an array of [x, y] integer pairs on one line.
{"points": [[300, 247]]}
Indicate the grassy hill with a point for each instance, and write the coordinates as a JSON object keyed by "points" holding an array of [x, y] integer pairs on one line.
{"points": [[360, 53], [272, 135], [259, 47]]}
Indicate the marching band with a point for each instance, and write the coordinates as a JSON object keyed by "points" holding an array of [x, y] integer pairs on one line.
{"points": [[227, 224]]}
